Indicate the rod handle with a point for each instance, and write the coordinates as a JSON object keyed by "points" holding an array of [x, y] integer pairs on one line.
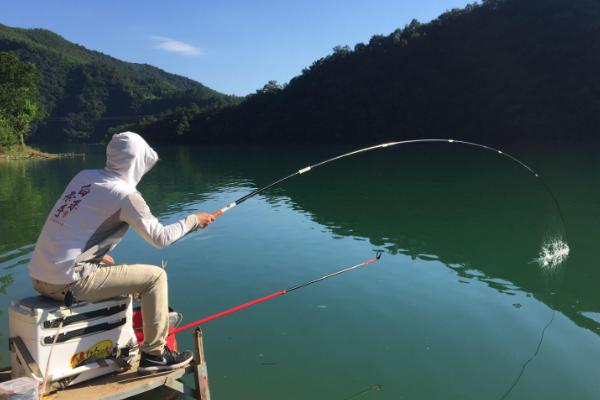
{"points": [[224, 209]]}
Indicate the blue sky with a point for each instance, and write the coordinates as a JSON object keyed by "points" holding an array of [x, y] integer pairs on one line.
{"points": [[234, 47]]}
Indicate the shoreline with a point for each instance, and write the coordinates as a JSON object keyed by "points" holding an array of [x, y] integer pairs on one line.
{"points": [[31, 153]]}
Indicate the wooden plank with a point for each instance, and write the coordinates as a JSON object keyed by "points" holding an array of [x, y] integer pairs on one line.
{"points": [[179, 387], [119, 386], [200, 370]]}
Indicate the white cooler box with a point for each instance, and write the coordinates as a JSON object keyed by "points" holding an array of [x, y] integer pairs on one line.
{"points": [[96, 338]]}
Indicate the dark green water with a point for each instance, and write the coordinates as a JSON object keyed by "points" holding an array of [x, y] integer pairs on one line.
{"points": [[454, 309]]}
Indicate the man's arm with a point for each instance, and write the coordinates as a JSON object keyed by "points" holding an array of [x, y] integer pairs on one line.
{"points": [[137, 214]]}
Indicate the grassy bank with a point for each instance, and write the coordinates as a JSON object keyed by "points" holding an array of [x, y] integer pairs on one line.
{"points": [[30, 153]]}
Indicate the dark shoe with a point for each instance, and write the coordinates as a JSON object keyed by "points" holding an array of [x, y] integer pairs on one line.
{"points": [[168, 361]]}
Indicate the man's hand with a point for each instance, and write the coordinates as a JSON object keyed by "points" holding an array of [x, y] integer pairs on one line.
{"points": [[108, 260], [204, 219]]}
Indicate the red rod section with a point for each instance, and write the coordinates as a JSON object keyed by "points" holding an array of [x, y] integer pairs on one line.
{"points": [[227, 312], [273, 295]]}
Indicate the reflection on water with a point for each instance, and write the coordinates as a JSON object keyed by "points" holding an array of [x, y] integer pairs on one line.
{"points": [[454, 224]]}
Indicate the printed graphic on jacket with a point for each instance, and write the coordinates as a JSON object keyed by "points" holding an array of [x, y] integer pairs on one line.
{"points": [[71, 201]]}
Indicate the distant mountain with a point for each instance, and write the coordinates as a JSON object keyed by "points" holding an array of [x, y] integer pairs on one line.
{"points": [[499, 71], [85, 91]]}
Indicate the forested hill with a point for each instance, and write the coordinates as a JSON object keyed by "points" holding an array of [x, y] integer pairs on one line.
{"points": [[499, 71], [85, 91]]}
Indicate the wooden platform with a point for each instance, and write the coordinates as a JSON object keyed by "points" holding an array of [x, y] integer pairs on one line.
{"points": [[123, 385], [129, 383]]}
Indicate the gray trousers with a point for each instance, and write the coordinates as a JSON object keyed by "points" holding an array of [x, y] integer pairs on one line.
{"points": [[105, 281]]}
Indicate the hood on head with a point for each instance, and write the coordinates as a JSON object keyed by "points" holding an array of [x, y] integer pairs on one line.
{"points": [[129, 157]]}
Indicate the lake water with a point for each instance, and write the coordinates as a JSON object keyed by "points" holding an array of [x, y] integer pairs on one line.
{"points": [[455, 309]]}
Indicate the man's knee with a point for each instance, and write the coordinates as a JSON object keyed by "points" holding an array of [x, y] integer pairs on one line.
{"points": [[158, 274]]}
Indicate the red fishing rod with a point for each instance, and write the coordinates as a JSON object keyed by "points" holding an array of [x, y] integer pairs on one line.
{"points": [[273, 295]]}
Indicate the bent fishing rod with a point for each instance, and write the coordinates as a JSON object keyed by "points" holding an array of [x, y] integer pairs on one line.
{"points": [[275, 294], [390, 144]]}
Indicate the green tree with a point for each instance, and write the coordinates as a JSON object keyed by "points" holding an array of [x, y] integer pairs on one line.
{"points": [[270, 87], [20, 102]]}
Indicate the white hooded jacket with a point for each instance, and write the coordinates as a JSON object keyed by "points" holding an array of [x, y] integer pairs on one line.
{"points": [[96, 210]]}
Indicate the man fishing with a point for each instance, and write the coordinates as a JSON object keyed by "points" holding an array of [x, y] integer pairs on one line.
{"points": [[93, 214]]}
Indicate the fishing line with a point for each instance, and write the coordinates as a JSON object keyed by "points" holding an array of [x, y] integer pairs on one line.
{"points": [[524, 366], [549, 258]]}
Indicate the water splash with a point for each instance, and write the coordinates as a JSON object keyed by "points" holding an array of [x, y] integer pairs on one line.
{"points": [[553, 253]]}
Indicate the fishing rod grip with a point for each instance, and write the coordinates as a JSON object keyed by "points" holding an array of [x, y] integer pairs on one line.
{"points": [[225, 209]]}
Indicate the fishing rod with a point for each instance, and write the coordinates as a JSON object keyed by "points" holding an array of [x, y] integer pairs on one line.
{"points": [[273, 295], [390, 144]]}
